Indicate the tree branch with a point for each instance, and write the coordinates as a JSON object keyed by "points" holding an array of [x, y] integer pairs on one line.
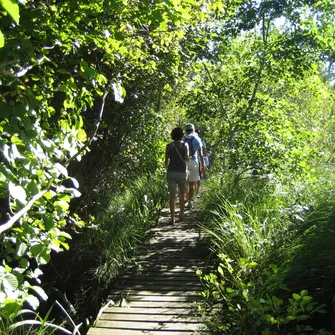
{"points": [[9, 224], [96, 127]]}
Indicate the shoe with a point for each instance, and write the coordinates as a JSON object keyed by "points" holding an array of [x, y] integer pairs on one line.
{"points": [[190, 205], [181, 217]]}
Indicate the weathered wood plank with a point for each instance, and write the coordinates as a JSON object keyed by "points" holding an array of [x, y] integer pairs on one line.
{"points": [[145, 325], [159, 291], [150, 311], [150, 318], [106, 331]]}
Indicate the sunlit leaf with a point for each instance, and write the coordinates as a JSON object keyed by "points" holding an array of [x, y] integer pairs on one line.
{"points": [[33, 301], [2, 39], [12, 7], [17, 192], [40, 292]]}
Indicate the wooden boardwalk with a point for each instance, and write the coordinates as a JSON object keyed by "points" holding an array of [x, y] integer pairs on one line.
{"points": [[158, 294]]}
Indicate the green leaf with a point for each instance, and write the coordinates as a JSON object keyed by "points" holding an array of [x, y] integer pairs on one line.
{"points": [[64, 234], [9, 283], [12, 7], [48, 221], [40, 292], [43, 258], [36, 249], [2, 39], [11, 308], [17, 192], [33, 301], [61, 169], [307, 298], [32, 188], [64, 197], [21, 249], [303, 293], [296, 297], [62, 204], [24, 263], [274, 268]]}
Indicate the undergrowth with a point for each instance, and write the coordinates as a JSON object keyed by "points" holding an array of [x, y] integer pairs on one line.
{"points": [[274, 250]]}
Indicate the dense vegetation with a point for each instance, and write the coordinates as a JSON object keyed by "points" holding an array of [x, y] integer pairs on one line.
{"points": [[89, 93]]}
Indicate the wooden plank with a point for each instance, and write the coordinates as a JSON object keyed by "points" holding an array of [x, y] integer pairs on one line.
{"points": [[160, 298], [101, 331], [159, 280], [155, 288], [149, 311], [149, 318], [115, 295], [161, 274], [159, 304], [147, 267], [146, 325]]}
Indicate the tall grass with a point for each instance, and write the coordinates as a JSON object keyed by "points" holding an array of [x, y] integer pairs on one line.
{"points": [[267, 235], [29, 322], [248, 221]]}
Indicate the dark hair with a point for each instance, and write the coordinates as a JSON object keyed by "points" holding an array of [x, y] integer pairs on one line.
{"points": [[177, 134]]}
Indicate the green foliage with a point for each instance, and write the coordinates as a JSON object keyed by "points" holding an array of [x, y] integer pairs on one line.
{"points": [[270, 240], [11, 8], [255, 110], [28, 322], [249, 307], [61, 67], [89, 89]]}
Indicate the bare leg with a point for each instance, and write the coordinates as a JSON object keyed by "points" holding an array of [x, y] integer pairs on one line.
{"points": [[181, 204], [187, 188], [172, 206], [191, 190]]}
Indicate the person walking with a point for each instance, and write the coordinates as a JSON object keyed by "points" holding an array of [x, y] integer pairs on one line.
{"points": [[176, 157], [196, 159]]}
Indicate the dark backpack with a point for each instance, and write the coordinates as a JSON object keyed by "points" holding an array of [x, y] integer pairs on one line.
{"points": [[189, 141]]}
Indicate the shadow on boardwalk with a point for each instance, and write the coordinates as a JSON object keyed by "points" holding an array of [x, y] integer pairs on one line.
{"points": [[158, 294]]}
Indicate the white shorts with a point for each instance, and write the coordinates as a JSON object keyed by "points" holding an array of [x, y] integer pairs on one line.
{"points": [[193, 171]]}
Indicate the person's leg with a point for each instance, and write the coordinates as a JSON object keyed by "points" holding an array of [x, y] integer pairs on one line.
{"points": [[193, 179], [181, 204], [186, 191], [172, 206], [191, 193], [172, 187], [197, 187], [181, 190]]}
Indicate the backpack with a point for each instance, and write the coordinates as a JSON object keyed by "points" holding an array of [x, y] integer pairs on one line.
{"points": [[189, 141]]}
